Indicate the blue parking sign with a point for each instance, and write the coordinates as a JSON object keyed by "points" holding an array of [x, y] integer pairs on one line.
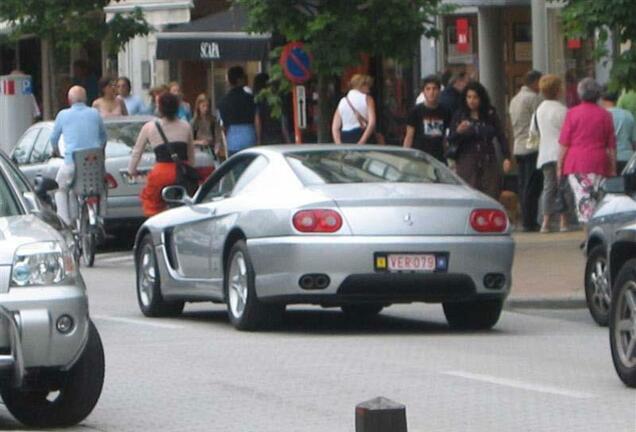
{"points": [[27, 88]]}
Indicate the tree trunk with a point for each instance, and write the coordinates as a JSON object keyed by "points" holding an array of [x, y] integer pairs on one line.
{"points": [[55, 105], [45, 56], [49, 83], [324, 109]]}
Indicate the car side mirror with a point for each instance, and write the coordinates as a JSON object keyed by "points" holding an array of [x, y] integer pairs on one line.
{"points": [[176, 195]]}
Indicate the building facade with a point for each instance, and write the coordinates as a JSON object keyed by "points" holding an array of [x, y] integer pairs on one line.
{"points": [[193, 42], [138, 60], [498, 41]]}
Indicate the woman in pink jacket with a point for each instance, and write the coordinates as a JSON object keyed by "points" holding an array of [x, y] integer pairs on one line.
{"points": [[587, 148]]}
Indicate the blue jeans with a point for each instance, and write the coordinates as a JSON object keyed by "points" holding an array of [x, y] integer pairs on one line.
{"points": [[351, 136], [240, 137]]}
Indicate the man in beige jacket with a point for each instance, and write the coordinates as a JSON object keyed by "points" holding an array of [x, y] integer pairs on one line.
{"points": [[522, 107]]}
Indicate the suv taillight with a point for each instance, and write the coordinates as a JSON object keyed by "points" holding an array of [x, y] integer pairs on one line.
{"points": [[317, 221], [488, 220]]}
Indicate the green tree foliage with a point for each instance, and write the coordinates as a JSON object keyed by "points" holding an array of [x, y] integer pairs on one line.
{"points": [[583, 18], [337, 32], [71, 22]]}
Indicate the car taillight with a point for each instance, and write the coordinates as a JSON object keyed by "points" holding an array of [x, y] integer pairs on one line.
{"points": [[110, 181], [317, 221], [488, 220], [205, 172]]}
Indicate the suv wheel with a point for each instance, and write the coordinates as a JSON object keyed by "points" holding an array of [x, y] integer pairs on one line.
{"points": [[623, 324], [71, 401], [473, 315], [597, 289], [151, 302], [245, 310]]}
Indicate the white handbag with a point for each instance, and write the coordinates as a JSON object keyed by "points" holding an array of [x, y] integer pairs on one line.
{"points": [[534, 137]]}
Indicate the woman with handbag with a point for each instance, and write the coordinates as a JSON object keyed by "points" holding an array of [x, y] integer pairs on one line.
{"points": [[474, 129], [587, 152], [354, 119], [172, 143], [545, 128]]}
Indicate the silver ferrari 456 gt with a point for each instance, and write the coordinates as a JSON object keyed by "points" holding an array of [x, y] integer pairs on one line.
{"points": [[356, 227]]}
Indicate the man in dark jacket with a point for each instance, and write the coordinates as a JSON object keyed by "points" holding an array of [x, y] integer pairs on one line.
{"points": [[451, 97]]}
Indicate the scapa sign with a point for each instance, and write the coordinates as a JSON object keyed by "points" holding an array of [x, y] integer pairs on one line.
{"points": [[210, 50]]}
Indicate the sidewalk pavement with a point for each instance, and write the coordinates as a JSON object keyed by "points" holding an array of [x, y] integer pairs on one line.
{"points": [[548, 271]]}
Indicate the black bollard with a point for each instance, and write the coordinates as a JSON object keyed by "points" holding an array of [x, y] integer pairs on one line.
{"points": [[380, 415]]}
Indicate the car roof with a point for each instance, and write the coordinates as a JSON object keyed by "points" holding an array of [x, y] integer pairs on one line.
{"points": [[109, 120], [302, 148]]}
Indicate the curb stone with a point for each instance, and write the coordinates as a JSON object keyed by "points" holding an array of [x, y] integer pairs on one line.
{"points": [[546, 303]]}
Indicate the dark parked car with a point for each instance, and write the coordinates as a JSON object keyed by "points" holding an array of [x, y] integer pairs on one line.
{"points": [[616, 209], [622, 316]]}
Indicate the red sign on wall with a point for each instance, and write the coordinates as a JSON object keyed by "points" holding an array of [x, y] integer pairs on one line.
{"points": [[574, 43], [462, 35], [8, 87]]}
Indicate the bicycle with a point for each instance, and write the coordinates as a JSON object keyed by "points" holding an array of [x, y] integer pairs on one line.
{"points": [[89, 188]]}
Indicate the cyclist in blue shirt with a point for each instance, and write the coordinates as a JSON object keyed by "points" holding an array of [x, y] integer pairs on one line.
{"points": [[82, 128]]}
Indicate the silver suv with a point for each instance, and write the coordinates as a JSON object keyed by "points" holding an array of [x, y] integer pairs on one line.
{"points": [[51, 355]]}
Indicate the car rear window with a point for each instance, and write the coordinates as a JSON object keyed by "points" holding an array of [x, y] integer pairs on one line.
{"points": [[122, 137], [367, 166]]}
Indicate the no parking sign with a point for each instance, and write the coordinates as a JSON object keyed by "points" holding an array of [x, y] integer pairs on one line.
{"points": [[296, 62]]}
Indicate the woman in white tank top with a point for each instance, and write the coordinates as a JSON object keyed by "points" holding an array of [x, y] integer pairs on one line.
{"points": [[354, 119]]}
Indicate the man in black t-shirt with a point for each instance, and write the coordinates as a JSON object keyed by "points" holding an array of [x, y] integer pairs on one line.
{"points": [[427, 122]]}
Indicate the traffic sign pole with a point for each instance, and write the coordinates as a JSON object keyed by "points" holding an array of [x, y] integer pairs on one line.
{"points": [[296, 64], [298, 136]]}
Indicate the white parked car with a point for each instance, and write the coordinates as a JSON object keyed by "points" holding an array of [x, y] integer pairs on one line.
{"points": [[33, 153]]}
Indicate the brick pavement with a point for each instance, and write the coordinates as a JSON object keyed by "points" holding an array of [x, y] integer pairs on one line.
{"points": [[548, 269]]}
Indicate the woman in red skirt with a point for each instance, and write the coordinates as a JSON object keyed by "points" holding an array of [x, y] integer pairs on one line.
{"points": [[179, 135]]}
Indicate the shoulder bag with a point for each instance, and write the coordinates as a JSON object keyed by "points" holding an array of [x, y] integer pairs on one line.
{"points": [[187, 176], [534, 136], [364, 123]]}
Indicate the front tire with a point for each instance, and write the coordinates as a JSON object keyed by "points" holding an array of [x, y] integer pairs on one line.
{"points": [[597, 289], [149, 297], [473, 315], [244, 309], [79, 391], [88, 238], [622, 324]]}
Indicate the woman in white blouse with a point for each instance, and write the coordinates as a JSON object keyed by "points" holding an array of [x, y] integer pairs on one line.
{"points": [[550, 116], [354, 119]]}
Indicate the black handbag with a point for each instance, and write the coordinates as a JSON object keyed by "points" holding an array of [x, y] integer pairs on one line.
{"points": [[187, 176]]}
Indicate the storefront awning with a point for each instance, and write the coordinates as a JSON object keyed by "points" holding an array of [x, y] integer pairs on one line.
{"points": [[220, 36]]}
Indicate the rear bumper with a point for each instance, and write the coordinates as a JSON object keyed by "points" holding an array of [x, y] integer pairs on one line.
{"points": [[123, 207], [348, 261], [28, 334]]}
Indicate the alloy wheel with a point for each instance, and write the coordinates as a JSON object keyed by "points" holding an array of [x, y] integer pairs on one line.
{"points": [[601, 297], [625, 329], [147, 275], [238, 286]]}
